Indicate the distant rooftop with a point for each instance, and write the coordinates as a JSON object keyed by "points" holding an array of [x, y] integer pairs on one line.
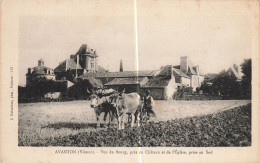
{"points": [[123, 74], [70, 65], [125, 81]]}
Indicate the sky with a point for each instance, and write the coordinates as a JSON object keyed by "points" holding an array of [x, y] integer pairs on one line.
{"points": [[164, 34]]}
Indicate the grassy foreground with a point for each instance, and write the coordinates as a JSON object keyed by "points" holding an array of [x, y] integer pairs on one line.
{"points": [[228, 128]]}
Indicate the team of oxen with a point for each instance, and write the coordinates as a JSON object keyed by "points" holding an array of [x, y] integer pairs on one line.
{"points": [[117, 105]]}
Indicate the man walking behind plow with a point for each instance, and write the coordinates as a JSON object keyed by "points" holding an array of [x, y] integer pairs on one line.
{"points": [[148, 105]]}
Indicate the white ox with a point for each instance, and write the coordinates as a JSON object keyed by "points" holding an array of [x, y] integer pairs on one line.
{"points": [[126, 104]]}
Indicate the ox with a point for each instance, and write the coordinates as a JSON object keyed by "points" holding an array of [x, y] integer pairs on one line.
{"points": [[126, 104], [101, 104]]}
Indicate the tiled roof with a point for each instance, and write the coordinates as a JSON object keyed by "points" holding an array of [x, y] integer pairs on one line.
{"points": [[40, 70], [124, 74], [157, 82], [191, 71], [96, 83], [71, 64], [178, 72], [235, 73], [165, 71], [125, 81]]}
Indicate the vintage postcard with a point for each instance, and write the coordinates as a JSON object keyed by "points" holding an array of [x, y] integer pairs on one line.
{"points": [[129, 81]]}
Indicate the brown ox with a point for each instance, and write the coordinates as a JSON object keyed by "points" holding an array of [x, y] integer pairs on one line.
{"points": [[101, 104], [126, 104]]}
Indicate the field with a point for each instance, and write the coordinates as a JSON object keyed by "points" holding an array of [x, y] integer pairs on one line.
{"points": [[178, 123]]}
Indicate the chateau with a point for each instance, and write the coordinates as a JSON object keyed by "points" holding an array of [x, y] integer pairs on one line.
{"points": [[84, 61]]}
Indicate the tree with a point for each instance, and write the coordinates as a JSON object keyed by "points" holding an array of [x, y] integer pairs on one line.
{"points": [[226, 85], [246, 67]]}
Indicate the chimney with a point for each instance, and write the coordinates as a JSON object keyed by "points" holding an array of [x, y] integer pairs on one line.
{"points": [[184, 64]]}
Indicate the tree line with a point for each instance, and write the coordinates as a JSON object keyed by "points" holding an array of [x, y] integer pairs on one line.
{"points": [[226, 85]]}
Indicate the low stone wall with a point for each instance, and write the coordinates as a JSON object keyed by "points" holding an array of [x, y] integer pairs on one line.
{"points": [[190, 97]]}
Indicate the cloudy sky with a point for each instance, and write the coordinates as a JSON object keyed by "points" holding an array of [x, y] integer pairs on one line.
{"points": [[214, 40]]}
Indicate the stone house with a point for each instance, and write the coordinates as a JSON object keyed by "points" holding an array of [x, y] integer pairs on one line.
{"points": [[187, 74]]}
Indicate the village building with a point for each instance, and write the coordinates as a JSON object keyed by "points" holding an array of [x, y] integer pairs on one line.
{"points": [[187, 74], [40, 72], [233, 71], [118, 80], [162, 83], [82, 68]]}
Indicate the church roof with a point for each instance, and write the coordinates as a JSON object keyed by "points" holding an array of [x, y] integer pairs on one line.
{"points": [[40, 70], [71, 64], [41, 60]]}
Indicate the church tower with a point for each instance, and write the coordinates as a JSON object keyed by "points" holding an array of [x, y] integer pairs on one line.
{"points": [[121, 66]]}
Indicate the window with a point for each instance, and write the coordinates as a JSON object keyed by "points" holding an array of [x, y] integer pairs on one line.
{"points": [[92, 65]]}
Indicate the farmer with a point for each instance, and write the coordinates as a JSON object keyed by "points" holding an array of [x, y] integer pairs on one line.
{"points": [[148, 104]]}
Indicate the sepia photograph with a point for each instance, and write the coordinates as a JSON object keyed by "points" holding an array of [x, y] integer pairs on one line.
{"points": [[136, 80], [82, 85]]}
